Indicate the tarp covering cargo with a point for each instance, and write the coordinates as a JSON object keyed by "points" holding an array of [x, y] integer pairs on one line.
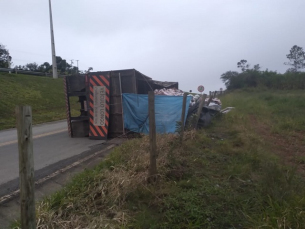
{"points": [[161, 84], [167, 109]]}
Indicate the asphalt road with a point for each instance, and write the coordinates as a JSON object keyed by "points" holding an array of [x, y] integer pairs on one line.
{"points": [[52, 147]]}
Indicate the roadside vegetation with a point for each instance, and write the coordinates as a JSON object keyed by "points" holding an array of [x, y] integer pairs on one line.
{"points": [[63, 67], [292, 79], [245, 171], [264, 79], [44, 94]]}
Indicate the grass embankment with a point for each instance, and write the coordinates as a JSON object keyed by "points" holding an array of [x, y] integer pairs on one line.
{"points": [[245, 171], [44, 94]]}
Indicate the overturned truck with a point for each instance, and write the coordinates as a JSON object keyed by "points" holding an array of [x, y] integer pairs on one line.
{"points": [[100, 98]]}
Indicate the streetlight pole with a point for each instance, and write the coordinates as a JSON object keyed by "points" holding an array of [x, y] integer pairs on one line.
{"points": [[54, 65], [71, 66], [77, 66]]}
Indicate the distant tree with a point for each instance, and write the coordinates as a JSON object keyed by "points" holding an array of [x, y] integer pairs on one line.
{"points": [[296, 58], [256, 67], [62, 65], [89, 69], [255, 77], [45, 67], [243, 65], [74, 70], [247, 78], [228, 76], [32, 66], [20, 67], [5, 58], [291, 70], [58, 59]]}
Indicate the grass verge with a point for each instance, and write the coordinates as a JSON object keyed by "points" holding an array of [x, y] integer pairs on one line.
{"points": [[233, 174], [44, 94]]}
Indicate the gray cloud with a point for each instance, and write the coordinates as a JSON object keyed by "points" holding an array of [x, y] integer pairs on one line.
{"points": [[192, 41]]}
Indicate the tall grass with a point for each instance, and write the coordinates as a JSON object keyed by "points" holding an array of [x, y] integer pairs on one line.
{"points": [[234, 174]]}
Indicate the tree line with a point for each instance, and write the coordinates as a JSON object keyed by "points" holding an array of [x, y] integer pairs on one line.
{"points": [[63, 67], [293, 78]]}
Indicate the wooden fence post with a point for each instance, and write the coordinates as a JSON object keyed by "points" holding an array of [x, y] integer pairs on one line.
{"points": [[183, 116], [215, 94], [152, 136], [26, 166], [202, 102], [212, 95]]}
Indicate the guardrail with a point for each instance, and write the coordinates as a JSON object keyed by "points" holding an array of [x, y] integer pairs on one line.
{"points": [[26, 72]]}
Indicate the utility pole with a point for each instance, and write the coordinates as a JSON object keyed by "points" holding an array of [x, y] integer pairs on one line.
{"points": [[54, 65], [77, 66], [71, 66]]}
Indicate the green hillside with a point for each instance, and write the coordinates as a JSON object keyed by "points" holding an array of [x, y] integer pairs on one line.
{"points": [[44, 94], [245, 171]]}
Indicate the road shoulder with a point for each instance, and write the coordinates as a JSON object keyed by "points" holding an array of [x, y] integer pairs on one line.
{"points": [[48, 184]]}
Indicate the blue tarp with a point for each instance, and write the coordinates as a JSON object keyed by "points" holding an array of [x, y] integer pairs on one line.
{"points": [[167, 109]]}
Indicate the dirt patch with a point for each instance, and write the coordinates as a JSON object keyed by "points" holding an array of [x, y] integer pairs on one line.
{"points": [[290, 147]]}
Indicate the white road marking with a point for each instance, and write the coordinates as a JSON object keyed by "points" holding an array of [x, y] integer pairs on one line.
{"points": [[34, 137], [56, 173]]}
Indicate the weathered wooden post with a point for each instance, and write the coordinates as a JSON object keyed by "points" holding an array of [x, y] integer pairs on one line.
{"points": [[202, 102], [152, 137], [212, 95], [26, 166], [183, 116]]}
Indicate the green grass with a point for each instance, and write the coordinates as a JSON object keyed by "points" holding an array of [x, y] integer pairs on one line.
{"points": [[283, 110], [237, 173], [44, 94]]}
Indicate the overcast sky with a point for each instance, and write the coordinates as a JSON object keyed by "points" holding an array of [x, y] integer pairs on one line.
{"points": [[190, 41]]}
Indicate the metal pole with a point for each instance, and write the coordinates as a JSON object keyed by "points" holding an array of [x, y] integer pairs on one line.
{"points": [[77, 67], [9, 63], [54, 65], [122, 102], [71, 67]]}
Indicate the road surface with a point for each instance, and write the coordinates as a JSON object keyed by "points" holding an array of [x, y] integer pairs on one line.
{"points": [[52, 147]]}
